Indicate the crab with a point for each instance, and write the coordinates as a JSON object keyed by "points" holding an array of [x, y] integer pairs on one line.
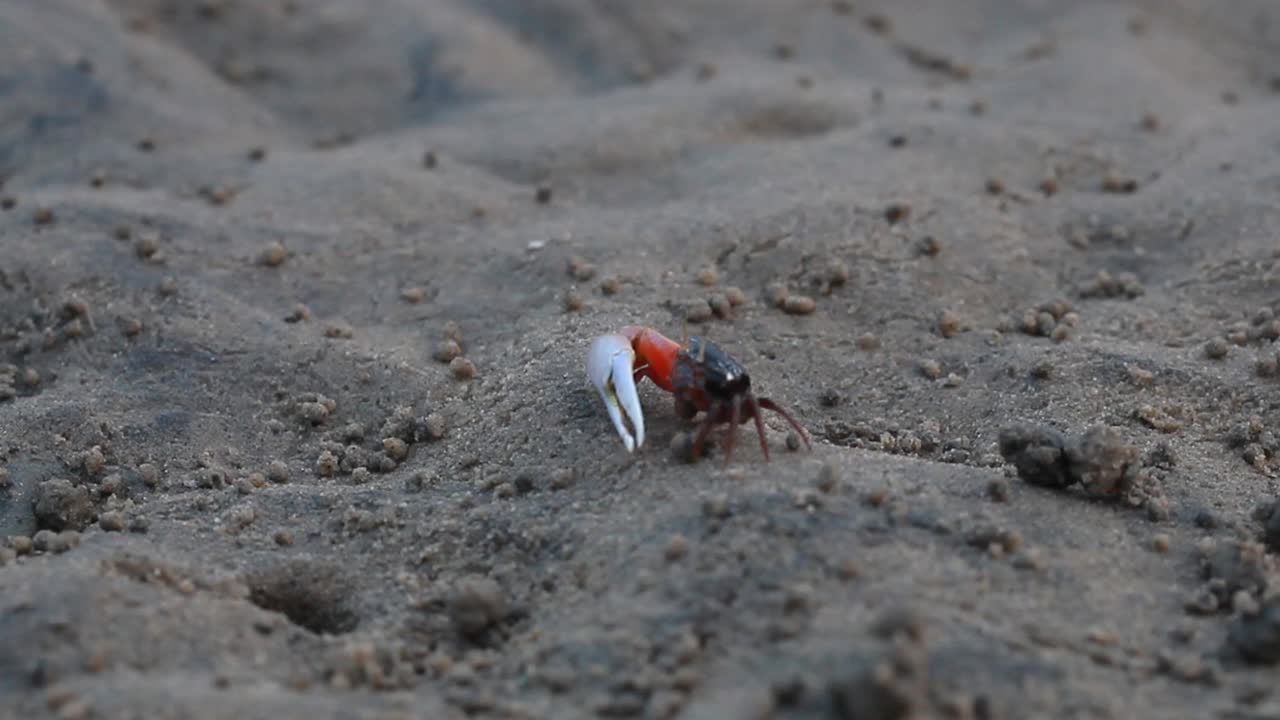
{"points": [[699, 374]]}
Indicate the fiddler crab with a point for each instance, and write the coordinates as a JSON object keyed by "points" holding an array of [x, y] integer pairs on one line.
{"points": [[698, 373]]}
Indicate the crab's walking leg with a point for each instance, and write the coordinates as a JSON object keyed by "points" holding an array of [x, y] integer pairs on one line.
{"points": [[771, 405], [703, 431], [755, 413], [731, 434], [611, 368]]}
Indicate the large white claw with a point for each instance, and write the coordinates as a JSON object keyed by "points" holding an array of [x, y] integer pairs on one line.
{"points": [[610, 364]]}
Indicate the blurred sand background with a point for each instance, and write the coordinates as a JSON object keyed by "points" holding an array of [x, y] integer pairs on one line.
{"points": [[295, 297]]}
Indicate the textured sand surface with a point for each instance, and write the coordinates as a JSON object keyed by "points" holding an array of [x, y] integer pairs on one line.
{"points": [[243, 474]]}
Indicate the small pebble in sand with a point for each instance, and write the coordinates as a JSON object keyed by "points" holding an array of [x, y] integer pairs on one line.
{"points": [[110, 485], [111, 521], [446, 351], [878, 24], [776, 294], [610, 286], [682, 447], [93, 461], [876, 496], [395, 448], [146, 246], [1266, 365], [677, 547], [1244, 604], [413, 295], [867, 342], [828, 477], [8, 202], [278, 471], [735, 296], [429, 160], [998, 489], [43, 216], [283, 538], [716, 507], [21, 544], [574, 301], [837, 273], [897, 212], [1216, 348], [453, 331], [150, 476], [167, 287], [1042, 370], [326, 464], [257, 154], [75, 307], [5, 480], [949, 323], [1158, 510], [1150, 122], [1141, 377], [793, 441], [476, 604], [931, 369], [561, 479], [256, 480], [928, 246], [339, 330], [435, 426], [51, 542], [273, 254], [698, 311], [542, 195], [994, 186], [129, 327], [361, 475], [581, 270], [462, 368], [1161, 543], [1048, 187], [707, 276], [1119, 185], [299, 313], [720, 305], [799, 305]]}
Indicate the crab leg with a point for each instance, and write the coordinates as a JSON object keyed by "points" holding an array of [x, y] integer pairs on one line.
{"points": [[611, 368]]}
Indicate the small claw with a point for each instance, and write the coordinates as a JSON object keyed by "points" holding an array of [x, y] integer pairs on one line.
{"points": [[611, 368]]}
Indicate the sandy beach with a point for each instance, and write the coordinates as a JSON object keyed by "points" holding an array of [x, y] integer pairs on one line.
{"points": [[296, 295]]}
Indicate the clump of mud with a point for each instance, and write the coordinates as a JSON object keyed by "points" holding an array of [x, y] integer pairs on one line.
{"points": [[1098, 459]]}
